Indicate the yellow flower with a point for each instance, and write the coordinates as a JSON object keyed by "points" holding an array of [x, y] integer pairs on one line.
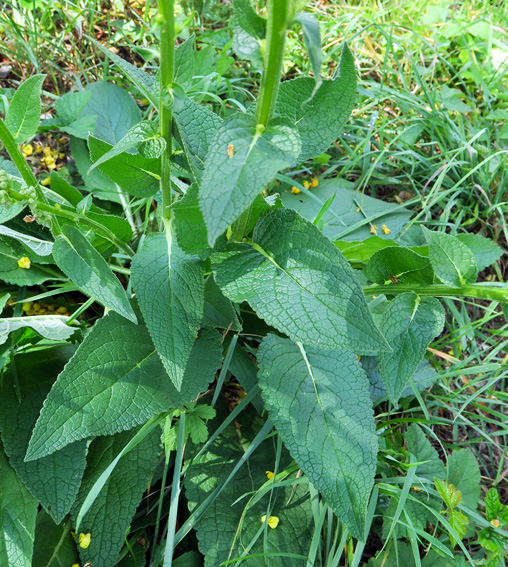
{"points": [[373, 229], [75, 565], [26, 306], [295, 190], [495, 523], [27, 150], [314, 182], [306, 184], [24, 263], [84, 540], [386, 230], [269, 475], [46, 181], [273, 521]]}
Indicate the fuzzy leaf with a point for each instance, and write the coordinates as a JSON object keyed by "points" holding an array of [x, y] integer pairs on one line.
{"points": [[409, 324], [54, 546], [169, 286], [40, 247], [240, 162], [417, 443], [218, 311], [184, 62], [189, 224], [48, 326], [320, 404], [88, 270], [24, 112], [299, 283], [485, 251], [464, 473]]}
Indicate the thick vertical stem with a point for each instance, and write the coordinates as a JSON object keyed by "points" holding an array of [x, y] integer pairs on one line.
{"points": [[274, 55], [167, 63]]}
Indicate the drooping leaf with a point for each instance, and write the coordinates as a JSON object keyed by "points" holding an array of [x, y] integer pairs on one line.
{"points": [[485, 251], [218, 311], [184, 62], [399, 264], [40, 247], [88, 270], [240, 162], [109, 517], [409, 324], [48, 326], [189, 224], [24, 112], [431, 466], [116, 381], [299, 283], [464, 473], [169, 286], [312, 39], [54, 546], [453, 262], [17, 518], [246, 46], [319, 116], [320, 404], [248, 19]]}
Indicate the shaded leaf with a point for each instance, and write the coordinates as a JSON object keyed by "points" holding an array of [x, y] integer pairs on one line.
{"points": [[24, 112]]}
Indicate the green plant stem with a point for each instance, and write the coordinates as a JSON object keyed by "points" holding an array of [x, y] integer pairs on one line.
{"points": [[275, 39], [489, 293], [70, 215], [167, 63], [24, 169]]}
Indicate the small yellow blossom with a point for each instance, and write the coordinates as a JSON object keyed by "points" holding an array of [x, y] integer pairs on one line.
{"points": [[36, 307], [61, 155], [314, 182], [307, 184], [26, 307], [75, 565], [27, 150], [46, 150], [269, 475], [416, 489], [295, 190], [84, 540], [495, 523], [62, 311], [273, 521], [264, 193], [373, 229], [46, 181], [24, 263], [386, 230], [357, 209]]}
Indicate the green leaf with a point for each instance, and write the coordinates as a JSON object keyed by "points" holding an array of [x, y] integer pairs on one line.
{"points": [[453, 262], [244, 369], [312, 39], [431, 466], [299, 283], [239, 164], [222, 531], [169, 286], [492, 505], [399, 555], [248, 19], [136, 174], [246, 46], [399, 264], [409, 324], [24, 112], [17, 518], [218, 311], [184, 62], [190, 225], [485, 251], [88, 270], [320, 404], [51, 327], [116, 381], [54, 546], [70, 105], [40, 247], [320, 116], [110, 515], [54, 480], [362, 251], [464, 473]]}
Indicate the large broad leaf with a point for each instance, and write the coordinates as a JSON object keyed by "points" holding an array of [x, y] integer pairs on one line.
{"points": [[54, 480], [485, 251], [88, 270], [463, 472], [409, 324], [240, 162], [48, 326], [169, 286], [17, 518], [218, 311], [54, 546], [248, 19], [453, 262], [298, 282], [352, 215], [320, 404], [116, 381], [430, 466], [222, 532], [109, 518], [184, 62], [24, 112], [399, 264], [319, 114]]}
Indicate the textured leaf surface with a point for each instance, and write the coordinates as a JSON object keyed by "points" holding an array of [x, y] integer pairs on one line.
{"points": [[320, 404], [54, 546], [464, 473], [248, 19], [190, 225], [40, 247], [239, 164], [485, 251], [418, 444], [319, 117], [54, 480], [17, 518], [218, 311], [298, 282], [88, 270], [169, 286], [453, 262], [109, 518], [217, 527], [116, 381], [184, 62], [409, 324], [362, 251], [48, 326], [401, 264], [312, 39], [24, 112]]}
